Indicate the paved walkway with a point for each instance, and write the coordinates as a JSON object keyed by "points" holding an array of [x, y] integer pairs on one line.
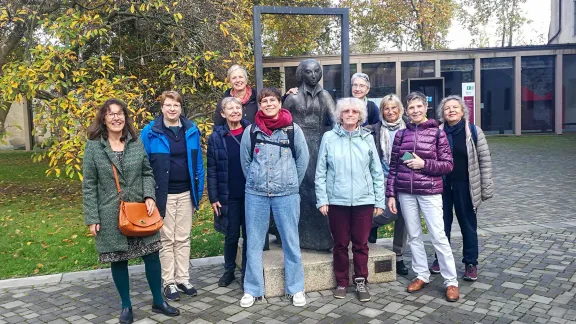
{"points": [[527, 267]]}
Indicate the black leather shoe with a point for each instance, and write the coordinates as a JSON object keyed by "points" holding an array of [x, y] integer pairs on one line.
{"points": [[165, 309], [126, 316], [401, 268], [373, 235], [226, 279]]}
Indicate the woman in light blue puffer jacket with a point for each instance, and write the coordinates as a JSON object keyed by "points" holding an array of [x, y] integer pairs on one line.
{"points": [[350, 191]]}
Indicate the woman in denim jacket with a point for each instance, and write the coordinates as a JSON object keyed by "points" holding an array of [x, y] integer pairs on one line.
{"points": [[273, 177], [349, 190]]}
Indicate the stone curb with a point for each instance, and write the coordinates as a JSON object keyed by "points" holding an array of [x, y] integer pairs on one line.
{"points": [[91, 274], [201, 262]]}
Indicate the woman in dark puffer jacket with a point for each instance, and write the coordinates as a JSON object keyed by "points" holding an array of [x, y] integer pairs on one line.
{"points": [[226, 184], [420, 157]]}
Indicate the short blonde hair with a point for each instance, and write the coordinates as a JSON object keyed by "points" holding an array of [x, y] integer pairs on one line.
{"points": [[355, 103], [395, 99], [235, 68]]}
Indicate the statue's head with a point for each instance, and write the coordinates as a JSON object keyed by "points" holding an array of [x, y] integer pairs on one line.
{"points": [[309, 72]]}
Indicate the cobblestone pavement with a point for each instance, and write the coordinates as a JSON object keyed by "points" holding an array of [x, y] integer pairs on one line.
{"points": [[526, 272]]}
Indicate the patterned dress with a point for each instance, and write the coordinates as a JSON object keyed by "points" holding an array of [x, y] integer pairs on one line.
{"points": [[136, 246]]}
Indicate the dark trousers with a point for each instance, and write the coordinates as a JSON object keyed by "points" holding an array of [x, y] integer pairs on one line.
{"points": [[456, 197], [400, 234], [236, 220], [350, 223]]}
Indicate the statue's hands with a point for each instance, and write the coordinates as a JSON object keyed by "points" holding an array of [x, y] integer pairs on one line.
{"points": [[324, 210], [292, 91]]}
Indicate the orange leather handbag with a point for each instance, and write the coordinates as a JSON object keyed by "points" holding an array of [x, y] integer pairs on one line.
{"points": [[133, 219]]}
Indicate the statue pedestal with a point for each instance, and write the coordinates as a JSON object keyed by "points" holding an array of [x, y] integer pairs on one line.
{"points": [[318, 273]]}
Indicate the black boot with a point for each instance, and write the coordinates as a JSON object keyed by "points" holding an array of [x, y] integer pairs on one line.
{"points": [[401, 268], [126, 316], [165, 309], [226, 279], [373, 235]]}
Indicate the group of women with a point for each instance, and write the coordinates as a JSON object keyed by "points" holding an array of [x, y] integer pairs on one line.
{"points": [[399, 166]]}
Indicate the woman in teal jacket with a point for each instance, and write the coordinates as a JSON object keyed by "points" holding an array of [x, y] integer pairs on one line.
{"points": [[350, 191]]}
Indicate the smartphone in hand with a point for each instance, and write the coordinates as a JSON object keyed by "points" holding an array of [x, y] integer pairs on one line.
{"points": [[407, 156]]}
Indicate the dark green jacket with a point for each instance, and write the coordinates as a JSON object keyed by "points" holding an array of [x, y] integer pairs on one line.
{"points": [[101, 199]]}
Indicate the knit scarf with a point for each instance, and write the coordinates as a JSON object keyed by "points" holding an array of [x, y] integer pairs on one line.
{"points": [[385, 142], [454, 130], [269, 124], [246, 97]]}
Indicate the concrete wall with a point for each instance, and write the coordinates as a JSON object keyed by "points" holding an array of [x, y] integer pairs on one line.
{"points": [[15, 126], [564, 27]]}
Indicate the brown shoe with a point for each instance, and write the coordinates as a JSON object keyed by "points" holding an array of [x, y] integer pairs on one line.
{"points": [[452, 293], [415, 285]]}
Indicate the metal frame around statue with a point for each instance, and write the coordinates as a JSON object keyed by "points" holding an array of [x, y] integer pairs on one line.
{"points": [[343, 13]]}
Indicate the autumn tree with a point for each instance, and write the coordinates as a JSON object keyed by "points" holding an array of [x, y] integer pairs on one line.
{"points": [[506, 15], [401, 24], [71, 55]]}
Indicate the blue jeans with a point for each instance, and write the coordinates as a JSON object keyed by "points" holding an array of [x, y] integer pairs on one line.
{"points": [[286, 212], [235, 222]]}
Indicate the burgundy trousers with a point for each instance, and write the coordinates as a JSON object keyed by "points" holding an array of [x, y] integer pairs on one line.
{"points": [[350, 223]]}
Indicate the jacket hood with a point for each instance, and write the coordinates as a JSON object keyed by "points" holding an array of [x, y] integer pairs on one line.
{"points": [[360, 132], [222, 130], [159, 122], [430, 123]]}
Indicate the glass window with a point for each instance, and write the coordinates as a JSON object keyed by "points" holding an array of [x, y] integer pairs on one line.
{"points": [[272, 77], [414, 70], [332, 76], [497, 95], [456, 72], [568, 86], [382, 79], [290, 77], [537, 93]]}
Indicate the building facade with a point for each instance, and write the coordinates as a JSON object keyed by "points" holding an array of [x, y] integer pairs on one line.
{"points": [[562, 22], [511, 90]]}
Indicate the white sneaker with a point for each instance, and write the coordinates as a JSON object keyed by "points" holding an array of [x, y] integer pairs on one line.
{"points": [[247, 300], [299, 299]]}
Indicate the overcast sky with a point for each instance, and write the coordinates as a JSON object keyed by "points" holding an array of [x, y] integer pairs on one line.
{"points": [[536, 10]]}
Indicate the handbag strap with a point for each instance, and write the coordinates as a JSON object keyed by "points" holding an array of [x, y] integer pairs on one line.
{"points": [[117, 182]]}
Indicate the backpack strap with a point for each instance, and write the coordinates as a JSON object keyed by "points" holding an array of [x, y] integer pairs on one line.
{"points": [[289, 130], [474, 133]]}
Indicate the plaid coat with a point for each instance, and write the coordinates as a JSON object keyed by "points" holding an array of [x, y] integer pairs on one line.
{"points": [[101, 198]]}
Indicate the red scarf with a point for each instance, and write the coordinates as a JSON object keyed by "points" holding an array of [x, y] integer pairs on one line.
{"points": [[269, 124], [247, 95]]}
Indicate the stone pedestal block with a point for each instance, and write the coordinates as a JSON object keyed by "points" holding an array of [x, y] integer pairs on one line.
{"points": [[318, 274]]}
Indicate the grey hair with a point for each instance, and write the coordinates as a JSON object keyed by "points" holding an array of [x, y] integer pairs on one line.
{"points": [[235, 68], [396, 100], [228, 100], [440, 109], [417, 95], [362, 76], [347, 103]]}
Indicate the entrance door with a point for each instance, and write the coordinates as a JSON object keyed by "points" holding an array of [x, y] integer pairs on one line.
{"points": [[433, 88]]}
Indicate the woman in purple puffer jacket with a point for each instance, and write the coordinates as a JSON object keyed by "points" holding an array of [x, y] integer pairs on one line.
{"points": [[420, 157]]}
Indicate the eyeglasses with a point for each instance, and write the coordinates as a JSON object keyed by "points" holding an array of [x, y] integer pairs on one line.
{"points": [[359, 86], [173, 106], [115, 115]]}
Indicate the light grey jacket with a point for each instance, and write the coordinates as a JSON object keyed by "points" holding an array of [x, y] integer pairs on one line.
{"points": [[479, 167], [272, 171], [348, 171]]}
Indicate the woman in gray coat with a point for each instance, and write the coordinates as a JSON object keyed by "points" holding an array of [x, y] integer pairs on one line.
{"points": [[469, 183], [113, 142]]}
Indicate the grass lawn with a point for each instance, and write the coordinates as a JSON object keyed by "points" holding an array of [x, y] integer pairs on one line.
{"points": [[42, 227]]}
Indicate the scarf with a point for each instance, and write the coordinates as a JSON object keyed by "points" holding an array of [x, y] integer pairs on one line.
{"points": [[453, 130], [385, 142], [269, 124], [247, 95]]}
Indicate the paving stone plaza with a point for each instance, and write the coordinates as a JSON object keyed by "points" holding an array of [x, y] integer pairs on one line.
{"points": [[526, 272]]}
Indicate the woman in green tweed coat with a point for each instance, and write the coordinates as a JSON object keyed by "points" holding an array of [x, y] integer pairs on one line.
{"points": [[113, 141]]}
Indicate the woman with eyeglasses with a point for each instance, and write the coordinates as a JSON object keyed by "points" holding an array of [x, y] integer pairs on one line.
{"points": [[360, 89], [113, 143]]}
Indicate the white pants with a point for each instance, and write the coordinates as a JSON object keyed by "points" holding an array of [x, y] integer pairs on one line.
{"points": [[431, 207], [175, 237]]}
